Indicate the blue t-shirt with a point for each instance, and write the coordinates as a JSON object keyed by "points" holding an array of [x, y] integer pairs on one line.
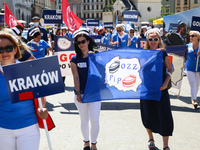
{"points": [[122, 41], [191, 61], [39, 51], [17, 115], [133, 40], [82, 67], [106, 38]]}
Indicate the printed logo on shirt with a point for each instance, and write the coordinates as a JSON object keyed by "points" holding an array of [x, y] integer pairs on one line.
{"points": [[82, 65], [41, 49], [34, 50], [63, 43]]}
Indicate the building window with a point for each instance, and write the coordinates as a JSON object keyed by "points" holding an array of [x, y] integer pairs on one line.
{"points": [[97, 15], [92, 7], [178, 2], [84, 15], [101, 6], [167, 8], [97, 7], [185, 2], [148, 9], [88, 15], [92, 15], [167, 0], [83, 7], [195, 1], [88, 7]]}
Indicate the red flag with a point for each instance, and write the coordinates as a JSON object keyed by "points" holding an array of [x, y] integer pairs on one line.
{"points": [[50, 123], [10, 19], [69, 18]]}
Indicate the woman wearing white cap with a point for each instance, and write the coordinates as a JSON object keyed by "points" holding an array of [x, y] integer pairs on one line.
{"points": [[121, 39], [193, 75], [18, 122], [38, 45], [79, 66], [156, 115], [133, 39]]}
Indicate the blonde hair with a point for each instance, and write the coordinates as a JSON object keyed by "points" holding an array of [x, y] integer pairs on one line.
{"points": [[195, 33], [11, 38], [160, 45], [21, 44], [119, 27]]}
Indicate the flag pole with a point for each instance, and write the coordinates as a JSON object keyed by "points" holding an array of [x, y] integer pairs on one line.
{"points": [[197, 58], [178, 94], [45, 125]]}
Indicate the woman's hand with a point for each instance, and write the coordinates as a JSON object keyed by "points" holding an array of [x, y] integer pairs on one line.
{"points": [[163, 87], [78, 98], [198, 53], [42, 114]]}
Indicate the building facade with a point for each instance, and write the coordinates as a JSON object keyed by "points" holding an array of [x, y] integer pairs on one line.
{"points": [[194, 4], [168, 6], [182, 5]]}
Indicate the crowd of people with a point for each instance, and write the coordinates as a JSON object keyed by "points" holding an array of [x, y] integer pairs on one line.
{"points": [[156, 115]]}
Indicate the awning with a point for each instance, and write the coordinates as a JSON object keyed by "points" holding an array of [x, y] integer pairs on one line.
{"points": [[158, 21]]}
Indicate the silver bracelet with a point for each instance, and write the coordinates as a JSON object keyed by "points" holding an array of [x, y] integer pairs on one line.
{"points": [[169, 73]]}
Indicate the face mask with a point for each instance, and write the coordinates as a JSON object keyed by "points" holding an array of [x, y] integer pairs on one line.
{"points": [[36, 24]]}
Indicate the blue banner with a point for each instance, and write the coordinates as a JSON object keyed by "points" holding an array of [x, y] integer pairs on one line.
{"points": [[130, 16], [63, 43], [33, 79], [92, 22], [52, 17], [195, 25], [124, 74], [108, 25]]}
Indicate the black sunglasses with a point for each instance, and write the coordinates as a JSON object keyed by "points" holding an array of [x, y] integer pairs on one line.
{"points": [[8, 48], [81, 42], [193, 36], [119, 30], [153, 39]]}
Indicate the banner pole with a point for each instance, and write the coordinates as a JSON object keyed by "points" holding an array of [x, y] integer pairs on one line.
{"points": [[45, 125], [178, 94], [197, 58]]}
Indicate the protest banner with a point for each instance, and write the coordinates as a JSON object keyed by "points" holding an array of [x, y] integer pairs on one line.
{"points": [[108, 25], [124, 74], [92, 22], [52, 17], [130, 15], [34, 79]]}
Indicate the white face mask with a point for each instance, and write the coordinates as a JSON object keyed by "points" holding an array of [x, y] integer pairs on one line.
{"points": [[36, 24]]}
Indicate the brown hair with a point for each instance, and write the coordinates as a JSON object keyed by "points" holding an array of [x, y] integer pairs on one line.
{"points": [[13, 40]]}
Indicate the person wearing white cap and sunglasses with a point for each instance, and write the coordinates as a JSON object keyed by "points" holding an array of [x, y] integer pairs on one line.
{"points": [[193, 75], [156, 115], [37, 44], [83, 45], [19, 128]]}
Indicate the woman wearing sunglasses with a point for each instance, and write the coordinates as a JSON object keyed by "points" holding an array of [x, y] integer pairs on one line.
{"points": [[18, 122], [193, 75], [84, 44], [133, 39], [121, 39], [156, 115]]}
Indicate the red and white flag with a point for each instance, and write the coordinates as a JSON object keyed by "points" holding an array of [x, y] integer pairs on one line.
{"points": [[10, 19], [69, 18]]}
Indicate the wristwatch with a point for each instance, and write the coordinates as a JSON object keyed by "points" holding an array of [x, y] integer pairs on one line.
{"points": [[77, 92]]}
